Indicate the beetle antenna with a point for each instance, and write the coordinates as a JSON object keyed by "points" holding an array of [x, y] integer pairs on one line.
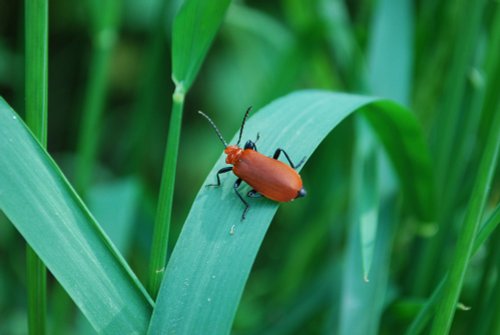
{"points": [[243, 124], [215, 128]]}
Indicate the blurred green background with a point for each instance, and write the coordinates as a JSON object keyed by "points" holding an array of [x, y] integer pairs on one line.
{"points": [[264, 50]]}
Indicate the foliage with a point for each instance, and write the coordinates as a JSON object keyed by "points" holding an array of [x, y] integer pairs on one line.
{"points": [[394, 103]]}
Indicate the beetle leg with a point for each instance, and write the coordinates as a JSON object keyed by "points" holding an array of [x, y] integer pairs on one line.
{"points": [[254, 144], [253, 194], [251, 144], [237, 184], [279, 151], [221, 171], [258, 136]]}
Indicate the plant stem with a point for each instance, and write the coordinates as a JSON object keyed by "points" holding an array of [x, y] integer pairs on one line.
{"points": [[494, 306], [147, 89], [92, 111], [465, 244], [36, 88], [483, 313], [426, 312], [37, 293], [165, 200], [104, 40], [448, 129]]}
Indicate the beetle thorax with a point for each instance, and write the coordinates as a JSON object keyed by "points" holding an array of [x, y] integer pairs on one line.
{"points": [[233, 153]]}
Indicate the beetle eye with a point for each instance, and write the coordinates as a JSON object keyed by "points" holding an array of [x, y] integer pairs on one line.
{"points": [[302, 193], [249, 145]]}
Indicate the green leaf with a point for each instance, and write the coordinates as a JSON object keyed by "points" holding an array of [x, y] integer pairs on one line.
{"points": [[36, 93], [391, 51], [209, 266], [367, 298], [448, 127], [455, 129], [194, 29], [105, 198], [39, 201], [366, 193], [428, 310], [487, 228], [105, 17], [416, 179], [373, 192], [313, 299], [465, 244]]}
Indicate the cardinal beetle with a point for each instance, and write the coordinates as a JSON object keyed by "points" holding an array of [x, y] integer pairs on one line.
{"points": [[267, 176]]}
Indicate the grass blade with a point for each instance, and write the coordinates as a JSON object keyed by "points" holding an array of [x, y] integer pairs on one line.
{"points": [[366, 194], [105, 198], [165, 199], [367, 298], [494, 305], [487, 228], [420, 192], [37, 13], [485, 302], [428, 309], [465, 242], [208, 268], [105, 17], [150, 87], [63, 233], [36, 72], [391, 51], [342, 43], [311, 300], [194, 29], [447, 128], [373, 194]]}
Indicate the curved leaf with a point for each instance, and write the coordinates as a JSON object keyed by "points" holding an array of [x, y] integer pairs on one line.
{"points": [[195, 26], [209, 266], [38, 200]]}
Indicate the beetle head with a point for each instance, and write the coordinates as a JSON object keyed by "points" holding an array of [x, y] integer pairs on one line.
{"points": [[233, 153], [250, 145]]}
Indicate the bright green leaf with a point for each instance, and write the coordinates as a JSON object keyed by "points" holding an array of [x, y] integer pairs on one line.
{"points": [[367, 194], [39, 201], [358, 296], [105, 199], [194, 29], [465, 243], [209, 266]]}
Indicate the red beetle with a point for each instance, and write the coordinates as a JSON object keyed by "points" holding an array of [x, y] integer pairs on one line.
{"points": [[267, 176]]}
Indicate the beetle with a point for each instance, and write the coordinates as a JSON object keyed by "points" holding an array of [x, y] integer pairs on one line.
{"points": [[267, 176]]}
